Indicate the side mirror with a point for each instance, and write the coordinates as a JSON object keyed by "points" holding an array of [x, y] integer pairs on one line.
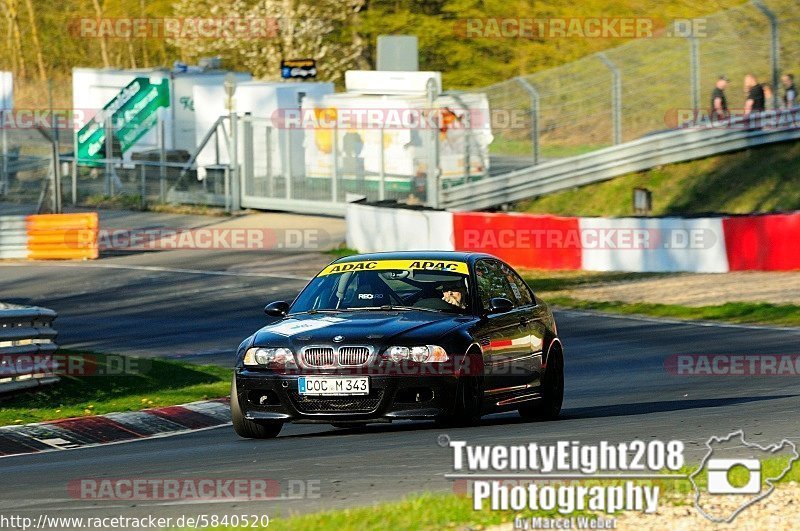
{"points": [[500, 305], [277, 309]]}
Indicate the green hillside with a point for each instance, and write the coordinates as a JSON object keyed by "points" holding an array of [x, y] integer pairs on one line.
{"points": [[755, 180]]}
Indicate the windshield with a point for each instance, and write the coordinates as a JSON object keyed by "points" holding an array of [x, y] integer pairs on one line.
{"points": [[399, 284]]}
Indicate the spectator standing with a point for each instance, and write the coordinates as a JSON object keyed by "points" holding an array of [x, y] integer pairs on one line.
{"points": [[719, 103], [755, 95], [789, 91]]}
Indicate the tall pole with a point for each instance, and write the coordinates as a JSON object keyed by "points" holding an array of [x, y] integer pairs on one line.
{"points": [[235, 188], [774, 49], [432, 177]]}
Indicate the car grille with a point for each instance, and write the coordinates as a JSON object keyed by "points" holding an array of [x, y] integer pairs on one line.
{"points": [[343, 357], [352, 356], [319, 357], [336, 404]]}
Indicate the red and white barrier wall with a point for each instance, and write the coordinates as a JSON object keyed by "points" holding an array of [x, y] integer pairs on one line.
{"points": [[701, 245]]}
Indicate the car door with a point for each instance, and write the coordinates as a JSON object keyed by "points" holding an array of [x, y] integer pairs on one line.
{"points": [[531, 316], [503, 336]]}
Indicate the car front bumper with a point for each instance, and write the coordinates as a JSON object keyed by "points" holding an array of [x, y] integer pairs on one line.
{"points": [[271, 397]]}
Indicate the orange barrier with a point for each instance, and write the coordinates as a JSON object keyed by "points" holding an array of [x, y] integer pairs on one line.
{"points": [[63, 236]]}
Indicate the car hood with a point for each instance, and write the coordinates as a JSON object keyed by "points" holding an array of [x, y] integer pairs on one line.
{"points": [[373, 327]]}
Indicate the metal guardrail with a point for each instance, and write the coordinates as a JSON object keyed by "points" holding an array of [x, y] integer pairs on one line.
{"points": [[27, 342], [641, 154], [13, 237]]}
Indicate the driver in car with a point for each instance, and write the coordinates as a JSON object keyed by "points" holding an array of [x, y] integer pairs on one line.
{"points": [[455, 294]]}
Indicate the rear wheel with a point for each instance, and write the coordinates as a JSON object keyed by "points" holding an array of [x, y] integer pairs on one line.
{"points": [[549, 406], [250, 429]]}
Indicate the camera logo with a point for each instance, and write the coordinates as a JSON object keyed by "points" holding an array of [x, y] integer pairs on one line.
{"points": [[735, 476], [721, 470]]}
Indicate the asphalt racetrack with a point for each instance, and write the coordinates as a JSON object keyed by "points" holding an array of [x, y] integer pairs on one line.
{"points": [[617, 389]]}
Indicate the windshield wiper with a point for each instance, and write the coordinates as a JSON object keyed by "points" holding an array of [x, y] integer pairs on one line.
{"points": [[389, 307], [312, 312]]}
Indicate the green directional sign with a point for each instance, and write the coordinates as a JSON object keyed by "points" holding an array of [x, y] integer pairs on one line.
{"points": [[133, 112]]}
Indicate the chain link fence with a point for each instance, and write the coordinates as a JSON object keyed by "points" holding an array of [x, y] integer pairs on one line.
{"points": [[640, 88], [576, 108]]}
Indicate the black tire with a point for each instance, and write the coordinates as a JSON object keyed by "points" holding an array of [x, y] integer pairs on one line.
{"points": [[468, 402], [549, 406], [247, 428]]}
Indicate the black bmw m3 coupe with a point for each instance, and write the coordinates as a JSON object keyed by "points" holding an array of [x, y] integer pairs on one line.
{"points": [[443, 336]]}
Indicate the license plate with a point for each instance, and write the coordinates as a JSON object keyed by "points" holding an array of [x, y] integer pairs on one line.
{"points": [[322, 385]]}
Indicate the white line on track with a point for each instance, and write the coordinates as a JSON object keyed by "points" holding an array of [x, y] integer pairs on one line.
{"points": [[159, 269], [659, 320]]}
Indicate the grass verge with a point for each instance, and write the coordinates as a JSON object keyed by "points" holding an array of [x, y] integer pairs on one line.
{"points": [[446, 511], [545, 283], [731, 312], [763, 179], [110, 383]]}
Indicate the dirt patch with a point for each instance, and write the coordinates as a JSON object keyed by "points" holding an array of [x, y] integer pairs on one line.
{"points": [[777, 512], [690, 289]]}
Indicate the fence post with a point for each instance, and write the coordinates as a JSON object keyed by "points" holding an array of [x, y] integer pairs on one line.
{"points": [[774, 49], [109, 131], [382, 176], [74, 168], [4, 155], [248, 157], [143, 201], [335, 160], [235, 189], [616, 96], [534, 94], [432, 177], [162, 157], [694, 71], [56, 178], [270, 185]]}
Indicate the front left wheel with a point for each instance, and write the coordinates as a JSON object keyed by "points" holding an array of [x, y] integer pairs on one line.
{"points": [[246, 428], [468, 402]]}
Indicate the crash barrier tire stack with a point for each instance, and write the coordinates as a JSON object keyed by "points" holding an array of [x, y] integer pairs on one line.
{"points": [[26, 339], [13, 237], [757, 242], [63, 236]]}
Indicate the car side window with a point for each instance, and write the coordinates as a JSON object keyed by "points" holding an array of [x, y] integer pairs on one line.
{"points": [[518, 286], [492, 282]]}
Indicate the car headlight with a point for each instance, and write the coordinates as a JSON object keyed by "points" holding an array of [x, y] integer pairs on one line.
{"points": [[420, 354], [272, 358]]}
